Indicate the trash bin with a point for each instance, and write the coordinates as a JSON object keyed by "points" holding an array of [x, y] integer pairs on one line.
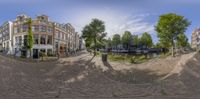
{"points": [[104, 57]]}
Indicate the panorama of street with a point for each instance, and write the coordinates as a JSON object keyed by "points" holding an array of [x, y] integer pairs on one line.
{"points": [[79, 77], [99, 49]]}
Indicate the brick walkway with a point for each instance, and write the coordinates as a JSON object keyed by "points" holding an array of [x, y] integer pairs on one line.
{"points": [[68, 78]]}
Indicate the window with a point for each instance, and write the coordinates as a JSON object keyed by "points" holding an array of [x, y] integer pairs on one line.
{"points": [[42, 28], [63, 35], [66, 36], [25, 40], [33, 28], [7, 37], [58, 34], [24, 28], [18, 30], [16, 41], [36, 39], [49, 41], [43, 39], [43, 50], [36, 28], [20, 40], [50, 29]]}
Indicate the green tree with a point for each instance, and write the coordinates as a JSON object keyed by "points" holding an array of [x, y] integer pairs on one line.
{"points": [[146, 40], [136, 40], [182, 40], [93, 34], [126, 39], [109, 42], [116, 40], [30, 36], [169, 26]]}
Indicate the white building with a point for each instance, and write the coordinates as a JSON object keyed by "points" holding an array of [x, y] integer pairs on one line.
{"points": [[6, 38], [49, 37], [195, 42]]}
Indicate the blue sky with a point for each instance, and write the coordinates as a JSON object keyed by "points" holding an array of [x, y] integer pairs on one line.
{"points": [[137, 16]]}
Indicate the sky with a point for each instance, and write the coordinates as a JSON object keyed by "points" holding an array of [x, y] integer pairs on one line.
{"points": [[136, 16]]}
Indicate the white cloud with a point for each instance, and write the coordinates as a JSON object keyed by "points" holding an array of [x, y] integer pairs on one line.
{"points": [[116, 22]]}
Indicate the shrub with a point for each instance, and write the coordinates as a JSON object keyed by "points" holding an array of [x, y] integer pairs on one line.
{"points": [[50, 54], [42, 54]]}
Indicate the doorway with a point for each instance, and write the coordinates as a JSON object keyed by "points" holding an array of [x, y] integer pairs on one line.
{"points": [[35, 54]]}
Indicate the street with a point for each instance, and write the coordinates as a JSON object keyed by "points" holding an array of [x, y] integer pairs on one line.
{"points": [[69, 78]]}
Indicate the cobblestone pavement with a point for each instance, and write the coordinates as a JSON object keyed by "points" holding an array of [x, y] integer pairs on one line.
{"points": [[68, 78]]}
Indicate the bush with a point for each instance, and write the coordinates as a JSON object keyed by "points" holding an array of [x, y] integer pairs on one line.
{"points": [[128, 58], [116, 57], [50, 54], [164, 55], [132, 60], [42, 54]]}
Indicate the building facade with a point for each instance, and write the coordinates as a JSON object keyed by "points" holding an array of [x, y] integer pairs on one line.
{"points": [[6, 37], [50, 37], [195, 40]]}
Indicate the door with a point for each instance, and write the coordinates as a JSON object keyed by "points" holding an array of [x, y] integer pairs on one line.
{"points": [[35, 54]]}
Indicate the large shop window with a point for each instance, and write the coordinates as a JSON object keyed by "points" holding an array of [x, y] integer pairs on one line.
{"points": [[43, 39]]}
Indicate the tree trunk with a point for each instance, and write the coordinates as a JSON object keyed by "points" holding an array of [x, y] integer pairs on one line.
{"points": [[30, 53], [173, 48]]}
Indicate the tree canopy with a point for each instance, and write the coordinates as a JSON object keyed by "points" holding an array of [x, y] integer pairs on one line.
{"points": [[136, 40], [109, 42], [182, 40], [126, 39], [30, 38], [93, 34], [169, 26], [116, 40], [146, 40]]}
